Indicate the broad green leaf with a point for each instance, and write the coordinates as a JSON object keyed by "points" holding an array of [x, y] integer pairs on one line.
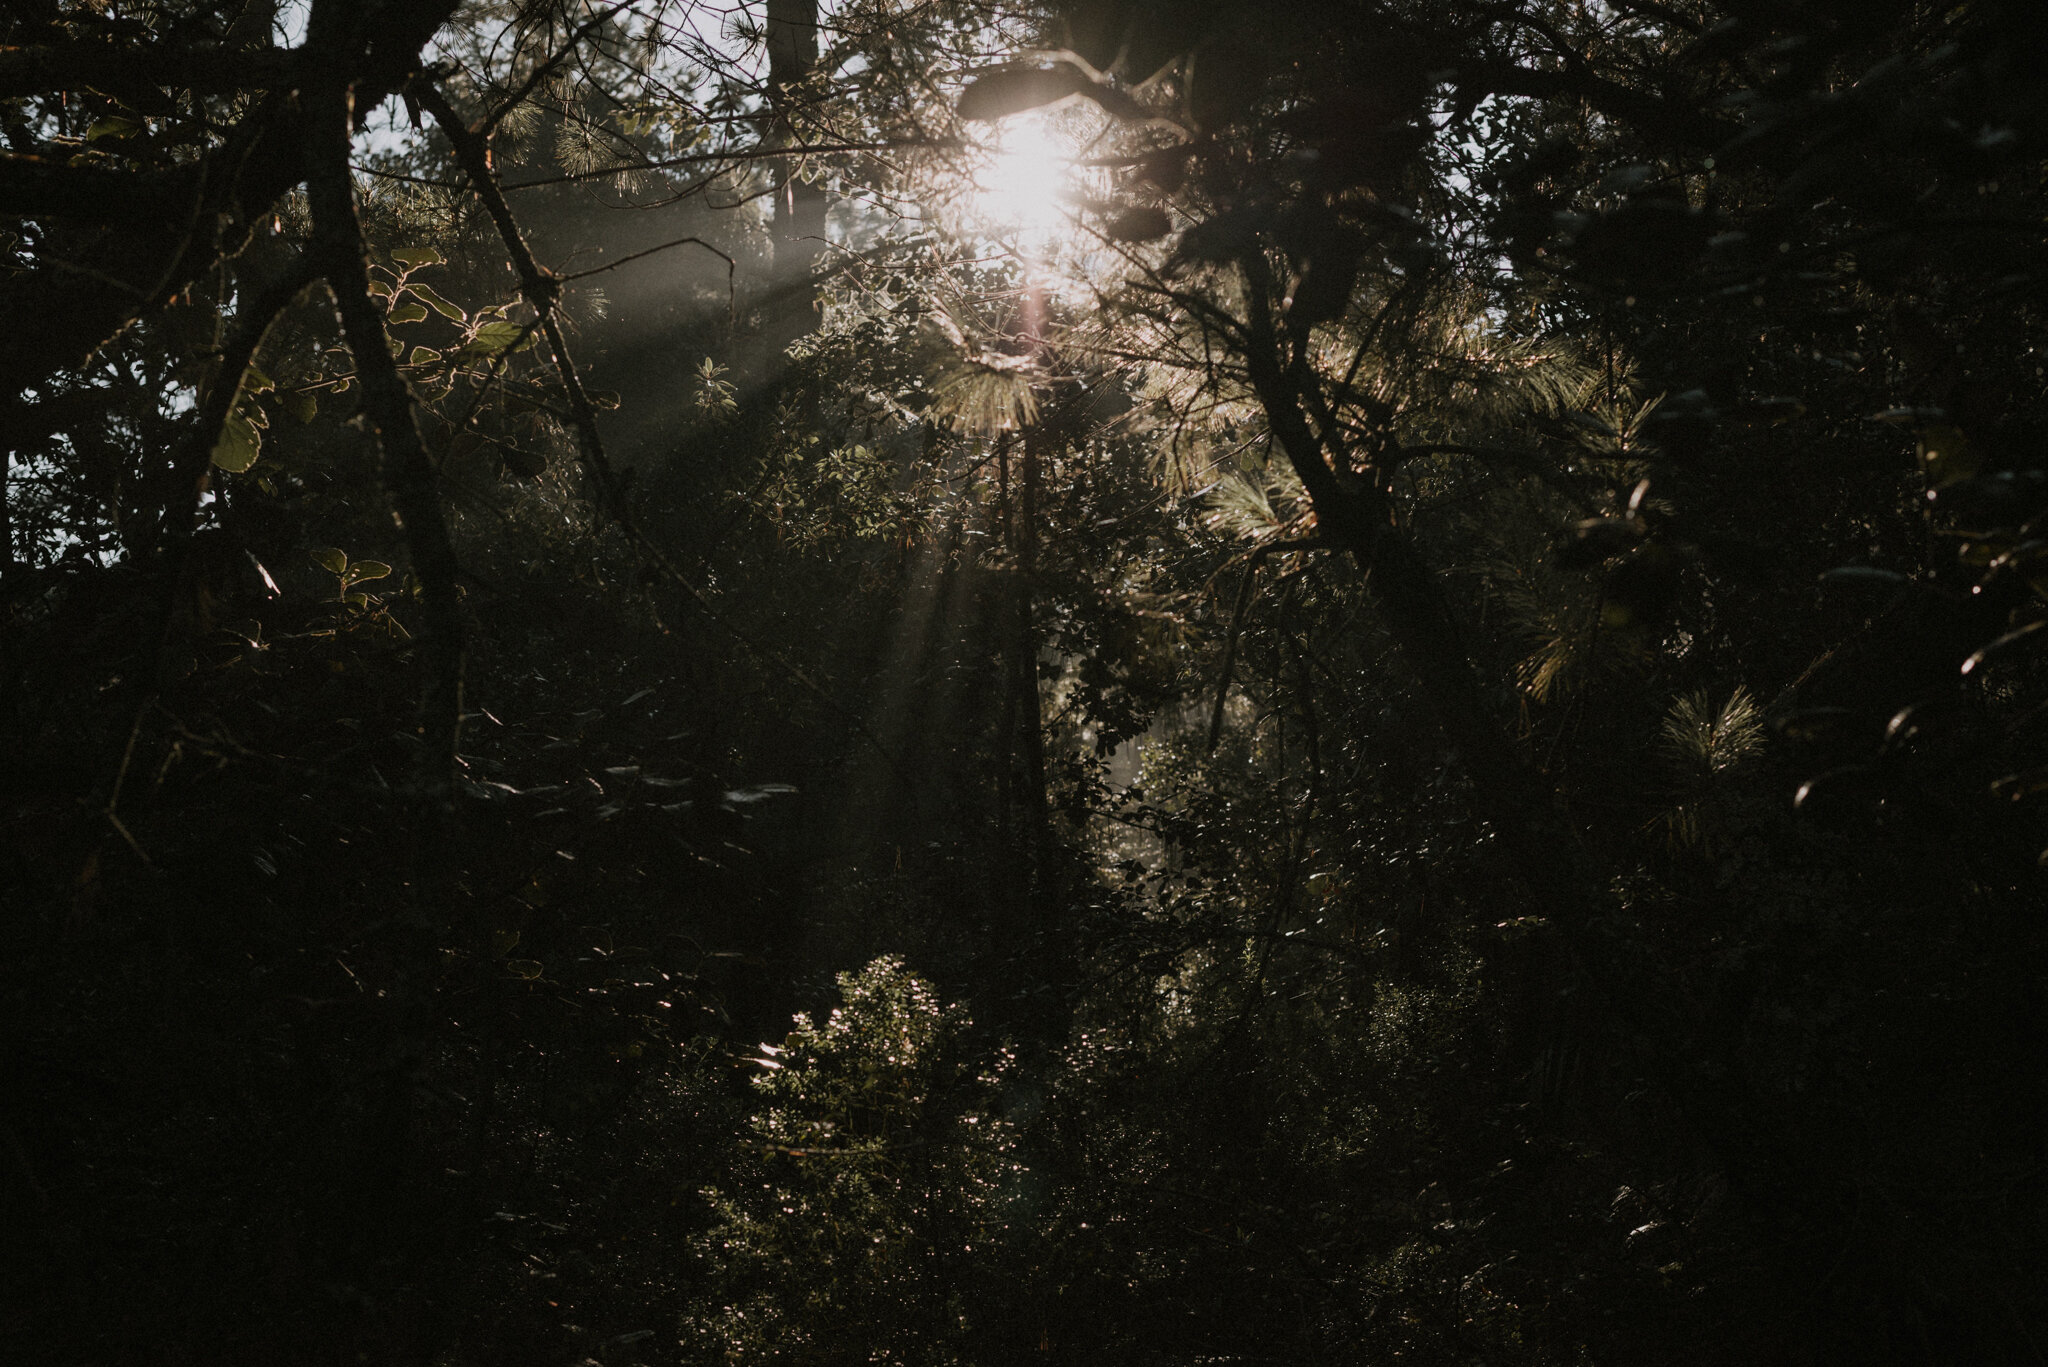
{"points": [[254, 381], [331, 559], [113, 126], [412, 258], [1981, 553], [380, 288], [466, 444], [423, 355], [241, 441], [523, 968], [303, 404], [493, 338], [357, 600], [363, 570], [407, 313], [503, 942], [435, 301]]}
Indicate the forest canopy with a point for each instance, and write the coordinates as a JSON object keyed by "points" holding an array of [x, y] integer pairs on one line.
{"points": [[946, 682]]}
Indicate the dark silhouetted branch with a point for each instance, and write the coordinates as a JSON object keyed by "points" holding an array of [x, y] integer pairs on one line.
{"points": [[542, 291], [53, 67], [408, 472]]}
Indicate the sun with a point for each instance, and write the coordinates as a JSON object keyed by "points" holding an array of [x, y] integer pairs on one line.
{"points": [[1019, 190]]}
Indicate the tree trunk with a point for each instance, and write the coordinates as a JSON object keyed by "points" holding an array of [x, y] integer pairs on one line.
{"points": [[1031, 707], [1510, 794], [798, 227]]}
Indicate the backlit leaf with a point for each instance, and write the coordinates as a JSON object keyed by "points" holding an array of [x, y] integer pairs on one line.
{"points": [[412, 258], [435, 301], [493, 338], [113, 126], [241, 441]]}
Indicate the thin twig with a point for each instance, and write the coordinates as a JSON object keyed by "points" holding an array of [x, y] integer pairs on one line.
{"points": [[731, 269], [489, 123]]}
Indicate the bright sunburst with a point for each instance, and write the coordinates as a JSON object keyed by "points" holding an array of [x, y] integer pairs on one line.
{"points": [[1019, 190]]}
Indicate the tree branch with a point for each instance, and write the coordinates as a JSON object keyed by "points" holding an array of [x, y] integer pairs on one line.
{"points": [[32, 187], [542, 291], [53, 67], [191, 467], [1411, 603], [408, 472], [488, 124], [1685, 125]]}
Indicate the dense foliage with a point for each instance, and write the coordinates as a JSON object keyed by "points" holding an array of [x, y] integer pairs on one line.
{"points": [[662, 703]]}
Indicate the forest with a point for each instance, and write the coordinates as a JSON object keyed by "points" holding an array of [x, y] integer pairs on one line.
{"points": [[972, 682]]}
